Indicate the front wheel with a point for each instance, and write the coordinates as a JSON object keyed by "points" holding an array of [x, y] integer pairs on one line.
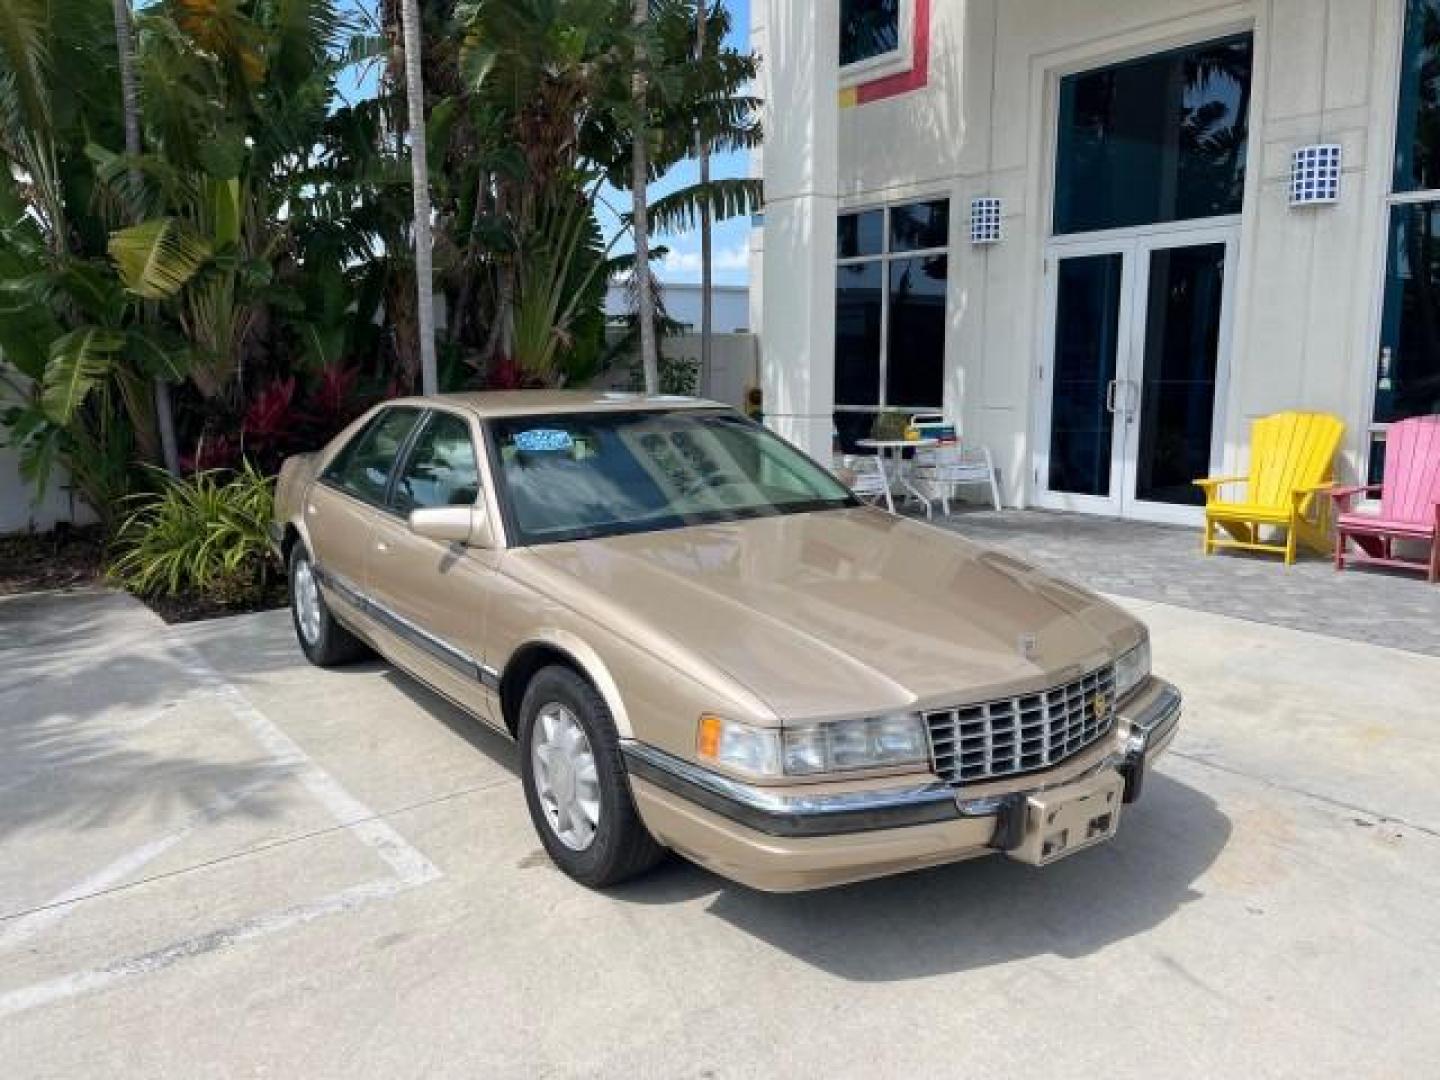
{"points": [[323, 640], [575, 782]]}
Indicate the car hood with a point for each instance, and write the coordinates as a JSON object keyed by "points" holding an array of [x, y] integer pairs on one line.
{"points": [[841, 612]]}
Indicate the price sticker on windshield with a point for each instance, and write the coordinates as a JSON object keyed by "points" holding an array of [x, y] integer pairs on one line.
{"points": [[543, 441]]}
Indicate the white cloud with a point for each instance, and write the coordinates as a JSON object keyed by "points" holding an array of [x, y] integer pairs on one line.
{"points": [[679, 263], [682, 261], [734, 257]]}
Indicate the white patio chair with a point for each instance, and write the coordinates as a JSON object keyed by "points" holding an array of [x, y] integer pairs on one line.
{"points": [[951, 464], [861, 473]]}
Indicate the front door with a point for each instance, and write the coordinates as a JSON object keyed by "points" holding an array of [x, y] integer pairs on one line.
{"points": [[1131, 374], [431, 598], [341, 507]]}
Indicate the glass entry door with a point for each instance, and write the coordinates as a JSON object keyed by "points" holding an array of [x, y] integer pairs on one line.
{"points": [[1131, 374]]}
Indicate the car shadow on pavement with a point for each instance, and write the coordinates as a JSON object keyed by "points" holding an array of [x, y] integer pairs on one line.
{"points": [[982, 912], [499, 748]]}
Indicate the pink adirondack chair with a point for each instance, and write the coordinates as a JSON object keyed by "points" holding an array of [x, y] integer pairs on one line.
{"points": [[1409, 503]]}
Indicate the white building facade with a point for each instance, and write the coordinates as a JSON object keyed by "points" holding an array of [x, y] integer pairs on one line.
{"points": [[1105, 235]]}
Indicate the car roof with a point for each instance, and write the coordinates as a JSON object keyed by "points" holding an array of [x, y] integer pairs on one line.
{"points": [[492, 403]]}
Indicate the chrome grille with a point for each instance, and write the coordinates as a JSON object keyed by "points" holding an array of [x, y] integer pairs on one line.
{"points": [[1016, 735]]}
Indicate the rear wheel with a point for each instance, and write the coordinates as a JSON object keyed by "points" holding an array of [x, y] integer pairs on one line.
{"points": [[323, 640], [575, 782]]}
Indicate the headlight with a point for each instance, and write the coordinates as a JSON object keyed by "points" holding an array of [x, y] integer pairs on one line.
{"points": [[835, 746], [744, 749], [1132, 669]]}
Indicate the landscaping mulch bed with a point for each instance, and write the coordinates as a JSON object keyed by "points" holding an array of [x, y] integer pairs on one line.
{"points": [[191, 608], [66, 558], [72, 557]]}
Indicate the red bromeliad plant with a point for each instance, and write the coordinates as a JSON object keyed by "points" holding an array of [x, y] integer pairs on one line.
{"points": [[271, 417], [334, 401], [277, 422]]}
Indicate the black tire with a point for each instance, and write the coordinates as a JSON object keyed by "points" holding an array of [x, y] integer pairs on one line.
{"points": [[332, 644], [621, 848]]}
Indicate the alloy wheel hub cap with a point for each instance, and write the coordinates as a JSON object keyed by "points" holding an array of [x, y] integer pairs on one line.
{"points": [[307, 603], [566, 778]]}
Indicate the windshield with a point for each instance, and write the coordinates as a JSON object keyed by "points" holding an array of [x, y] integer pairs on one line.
{"points": [[580, 475]]}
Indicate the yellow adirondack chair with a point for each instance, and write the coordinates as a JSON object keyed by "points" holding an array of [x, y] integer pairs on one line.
{"points": [[1292, 458]]}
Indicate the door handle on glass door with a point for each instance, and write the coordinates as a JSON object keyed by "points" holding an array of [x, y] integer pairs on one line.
{"points": [[1110, 388]]}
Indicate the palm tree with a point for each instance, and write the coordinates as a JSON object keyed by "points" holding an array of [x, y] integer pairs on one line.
{"points": [[420, 182], [130, 106], [640, 222], [705, 108]]}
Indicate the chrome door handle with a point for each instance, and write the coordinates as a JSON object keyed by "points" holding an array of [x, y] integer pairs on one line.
{"points": [[1110, 388], [310, 510], [382, 547]]}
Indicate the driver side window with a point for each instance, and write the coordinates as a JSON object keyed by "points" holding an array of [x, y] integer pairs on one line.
{"points": [[363, 467], [441, 469]]}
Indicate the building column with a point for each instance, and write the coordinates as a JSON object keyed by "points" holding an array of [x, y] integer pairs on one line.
{"points": [[797, 363]]}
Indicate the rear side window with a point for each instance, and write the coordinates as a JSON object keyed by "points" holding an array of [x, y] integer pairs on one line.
{"points": [[441, 469], [363, 467]]}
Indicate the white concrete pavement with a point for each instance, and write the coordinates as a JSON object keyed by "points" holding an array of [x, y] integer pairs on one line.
{"points": [[218, 861]]}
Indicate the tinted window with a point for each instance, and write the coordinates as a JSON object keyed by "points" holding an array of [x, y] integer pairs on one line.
{"points": [[858, 292], [1182, 347], [574, 476], [860, 234], [868, 28], [918, 226], [1417, 127], [895, 289], [1157, 139], [363, 467], [441, 469], [915, 361], [1087, 341], [1408, 374]]}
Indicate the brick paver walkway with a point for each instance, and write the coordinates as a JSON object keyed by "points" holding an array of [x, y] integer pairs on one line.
{"points": [[1161, 562]]}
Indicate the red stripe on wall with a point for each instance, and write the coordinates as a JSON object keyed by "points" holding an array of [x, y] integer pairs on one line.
{"points": [[919, 73]]}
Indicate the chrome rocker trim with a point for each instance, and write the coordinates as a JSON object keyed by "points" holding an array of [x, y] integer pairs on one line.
{"points": [[776, 814], [403, 628]]}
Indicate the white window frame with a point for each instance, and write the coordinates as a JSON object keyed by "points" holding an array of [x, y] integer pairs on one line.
{"points": [[885, 258], [897, 61]]}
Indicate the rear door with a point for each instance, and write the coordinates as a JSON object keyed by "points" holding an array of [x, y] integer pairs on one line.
{"points": [[342, 505], [432, 597]]}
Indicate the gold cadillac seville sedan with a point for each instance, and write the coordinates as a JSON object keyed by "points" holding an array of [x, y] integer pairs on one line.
{"points": [[704, 643]]}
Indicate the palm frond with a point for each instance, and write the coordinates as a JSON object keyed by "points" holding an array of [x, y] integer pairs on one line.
{"points": [[24, 63], [156, 259], [79, 362], [679, 211]]}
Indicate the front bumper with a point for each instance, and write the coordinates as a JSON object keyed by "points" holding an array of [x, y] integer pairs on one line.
{"points": [[797, 839]]}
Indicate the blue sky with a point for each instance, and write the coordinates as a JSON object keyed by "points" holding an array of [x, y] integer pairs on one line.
{"points": [[731, 258]]}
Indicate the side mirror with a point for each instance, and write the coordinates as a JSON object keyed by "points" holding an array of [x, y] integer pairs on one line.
{"points": [[468, 525]]}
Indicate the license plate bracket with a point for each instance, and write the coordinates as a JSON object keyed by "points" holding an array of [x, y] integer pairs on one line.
{"points": [[1064, 820]]}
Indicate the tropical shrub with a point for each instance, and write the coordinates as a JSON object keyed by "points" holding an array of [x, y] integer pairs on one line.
{"points": [[228, 246], [205, 535]]}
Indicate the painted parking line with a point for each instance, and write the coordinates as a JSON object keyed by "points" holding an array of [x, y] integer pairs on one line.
{"points": [[409, 868]]}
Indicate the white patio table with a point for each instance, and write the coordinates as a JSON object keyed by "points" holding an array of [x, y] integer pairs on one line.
{"points": [[893, 450]]}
